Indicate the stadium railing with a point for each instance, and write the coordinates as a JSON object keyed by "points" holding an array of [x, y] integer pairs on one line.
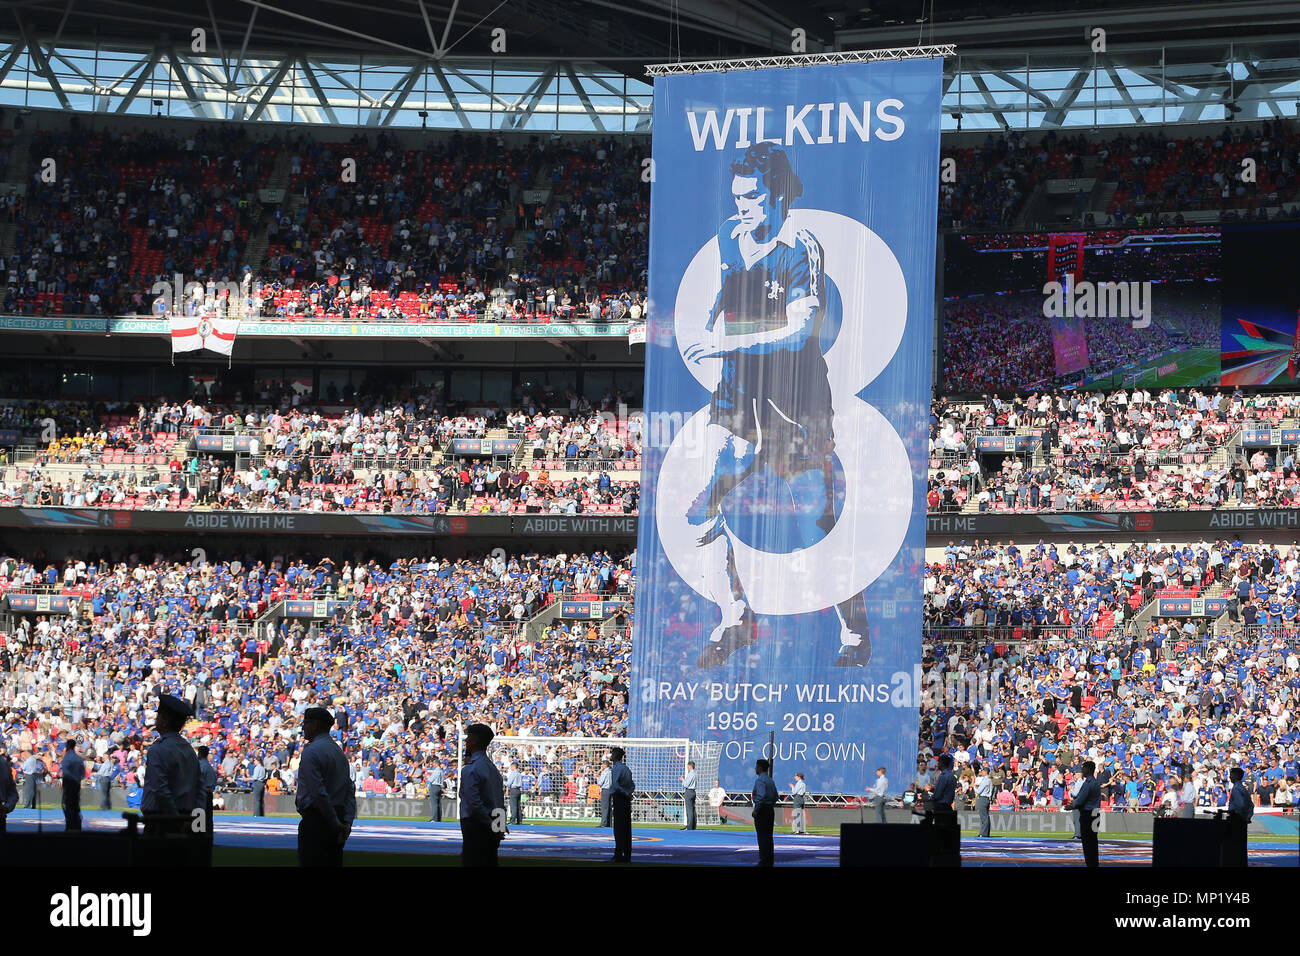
{"points": [[562, 463], [1023, 634], [1288, 634], [355, 459]]}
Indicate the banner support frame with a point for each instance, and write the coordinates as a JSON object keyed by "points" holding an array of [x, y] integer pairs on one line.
{"points": [[801, 59]]}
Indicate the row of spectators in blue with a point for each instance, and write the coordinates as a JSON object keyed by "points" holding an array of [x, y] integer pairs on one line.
{"points": [[1150, 711], [442, 632]]}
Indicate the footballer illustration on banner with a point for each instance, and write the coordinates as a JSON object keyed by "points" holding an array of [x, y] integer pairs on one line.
{"points": [[776, 405]]}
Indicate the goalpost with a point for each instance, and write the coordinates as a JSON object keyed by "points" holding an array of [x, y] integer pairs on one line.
{"points": [[561, 775]]}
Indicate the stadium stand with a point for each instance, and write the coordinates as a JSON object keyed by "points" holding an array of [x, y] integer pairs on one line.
{"points": [[420, 646], [445, 235], [1067, 643], [1138, 450], [1051, 633], [1061, 658]]}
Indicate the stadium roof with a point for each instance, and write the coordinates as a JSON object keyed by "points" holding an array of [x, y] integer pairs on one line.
{"points": [[630, 30], [578, 65]]}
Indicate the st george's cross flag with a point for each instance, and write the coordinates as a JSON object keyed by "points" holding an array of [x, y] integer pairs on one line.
{"points": [[211, 332]]}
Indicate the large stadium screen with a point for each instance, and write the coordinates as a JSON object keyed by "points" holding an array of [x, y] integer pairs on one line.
{"points": [[1094, 309], [1261, 304]]}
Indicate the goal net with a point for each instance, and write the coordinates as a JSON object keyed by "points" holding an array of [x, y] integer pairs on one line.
{"points": [[561, 774]]}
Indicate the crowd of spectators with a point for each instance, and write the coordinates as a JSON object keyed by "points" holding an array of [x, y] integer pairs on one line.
{"points": [[996, 343], [1078, 451], [1055, 671], [1150, 713], [29, 418], [393, 457], [128, 208], [1031, 677], [475, 227], [1161, 176], [418, 646], [1104, 451], [465, 228], [992, 180]]}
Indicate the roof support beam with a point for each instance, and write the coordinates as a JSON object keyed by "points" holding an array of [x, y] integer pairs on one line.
{"points": [[1054, 117], [145, 69], [441, 77], [992, 104], [496, 98], [196, 104], [314, 83], [272, 85], [406, 85], [441, 46], [1122, 90], [243, 51], [1257, 78], [537, 89], [42, 62], [584, 98], [15, 52], [216, 35]]}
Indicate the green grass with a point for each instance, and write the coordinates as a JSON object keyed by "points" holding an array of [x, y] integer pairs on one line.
{"points": [[262, 856], [259, 856], [1195, 366], [1146, 837], [251, 856]]}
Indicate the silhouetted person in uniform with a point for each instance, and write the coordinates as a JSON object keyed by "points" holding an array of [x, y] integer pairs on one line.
{"points": [[621, 788], [171, 772], [73, 771], [942, 815], [1241, 810], [8, 788], [482, 801], [1088, 802], [326, 799], [944, 789], [207, 784], [764, 795]]}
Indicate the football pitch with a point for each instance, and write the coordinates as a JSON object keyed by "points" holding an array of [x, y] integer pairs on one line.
{"points": [[1194, 367], [242, 840]]}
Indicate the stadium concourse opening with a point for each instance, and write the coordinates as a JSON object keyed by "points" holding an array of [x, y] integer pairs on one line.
{"points": [[342, 409]]}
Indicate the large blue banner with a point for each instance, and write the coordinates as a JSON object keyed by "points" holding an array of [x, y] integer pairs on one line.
{"points": [[788, 371]]}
